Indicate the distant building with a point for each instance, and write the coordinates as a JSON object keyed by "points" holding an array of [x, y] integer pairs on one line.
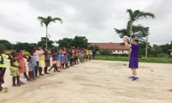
{"points": [[117, 48], [170, 50]]}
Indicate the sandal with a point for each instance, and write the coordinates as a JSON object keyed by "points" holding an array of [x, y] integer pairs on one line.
{"points": [[3, 91], [30, 80], [22, 83]]}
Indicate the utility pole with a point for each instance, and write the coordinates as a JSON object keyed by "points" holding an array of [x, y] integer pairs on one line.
{"points": [[146, 52]]}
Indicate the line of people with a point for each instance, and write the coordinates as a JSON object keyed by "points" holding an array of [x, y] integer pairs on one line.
{"points": [[38, 61]]}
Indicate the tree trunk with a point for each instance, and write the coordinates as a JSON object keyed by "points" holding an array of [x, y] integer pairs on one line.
{"points": [[146, 50], [131, 31], [46, 37]]}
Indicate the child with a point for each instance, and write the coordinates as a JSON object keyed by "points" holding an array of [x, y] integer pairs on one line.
{"points": [[62, 58], [3, 64], [90, 57], [75, 56], [37, 62], [20, 58], [65, 57], [58, 58], [71, 57], [2, 71], [47, 61], [87, 54], [54, 54], [14, 69], [31, 64], [41, 60]]}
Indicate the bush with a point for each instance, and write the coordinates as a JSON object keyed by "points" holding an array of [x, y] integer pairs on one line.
{"points": [[105, 52], [162, 55]]}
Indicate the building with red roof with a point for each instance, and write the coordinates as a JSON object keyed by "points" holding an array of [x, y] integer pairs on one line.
{"points": [[117, 48]]}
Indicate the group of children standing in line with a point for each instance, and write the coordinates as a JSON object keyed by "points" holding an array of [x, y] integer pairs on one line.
{"points": [[39, 60]]}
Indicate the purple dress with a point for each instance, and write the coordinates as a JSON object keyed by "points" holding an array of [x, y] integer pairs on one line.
{"points": [[62, 57], [134, 56]]}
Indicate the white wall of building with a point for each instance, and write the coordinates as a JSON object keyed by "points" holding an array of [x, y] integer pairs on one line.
{"points": [[120, 51], [171, 53]]}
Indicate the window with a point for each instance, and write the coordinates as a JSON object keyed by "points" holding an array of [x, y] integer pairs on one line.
{"points": [[122, 51]]}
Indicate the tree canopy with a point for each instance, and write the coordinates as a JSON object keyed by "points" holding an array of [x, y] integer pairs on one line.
{"points": [[139, 32], [47, 20], [78, 41], [135, 16]]}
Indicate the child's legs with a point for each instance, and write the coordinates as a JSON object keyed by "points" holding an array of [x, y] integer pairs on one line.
{"points": [[134, 72], [13, 81], [66, 64], [36, 69], [2, 72], [45, 70], [25, 75], [18, 79]]}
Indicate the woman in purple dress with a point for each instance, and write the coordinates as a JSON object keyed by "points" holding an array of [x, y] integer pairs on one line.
{"points": [[133, 63]]}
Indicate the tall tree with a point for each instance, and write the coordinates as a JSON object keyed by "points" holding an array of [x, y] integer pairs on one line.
{"points": [[78, 41], [65, 42], [135, 16], [6, 44], [46, 21], [139, 32], [42, 43]]}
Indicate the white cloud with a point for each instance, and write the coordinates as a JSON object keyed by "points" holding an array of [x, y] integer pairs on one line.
{"points": [[94, 19]]}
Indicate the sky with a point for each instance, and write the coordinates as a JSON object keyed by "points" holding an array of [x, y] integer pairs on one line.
{"points": [[94, 19]]}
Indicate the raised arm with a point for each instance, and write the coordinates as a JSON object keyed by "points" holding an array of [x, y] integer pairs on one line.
{"points": [[126, 42]]}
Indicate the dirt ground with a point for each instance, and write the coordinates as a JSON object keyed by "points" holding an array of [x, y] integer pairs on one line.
{"points": [[95, 82]]}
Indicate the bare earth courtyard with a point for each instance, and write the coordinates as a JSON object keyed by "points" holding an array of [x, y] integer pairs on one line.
{"points": [[96, 82]]}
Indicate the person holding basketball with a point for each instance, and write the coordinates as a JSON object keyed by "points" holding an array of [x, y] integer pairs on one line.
{"points": [[133, 62]]}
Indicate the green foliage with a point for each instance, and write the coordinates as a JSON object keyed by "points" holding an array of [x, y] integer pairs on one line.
{"points": [[95, 47], [165, 48], [139, 32], [155, 50], [5, 44], [163, 55], [24, 46], [78, 41], [105, 52], [65, 42], [2, 46], [135, 16], [47, 20], [149, 60], [42, 43]]}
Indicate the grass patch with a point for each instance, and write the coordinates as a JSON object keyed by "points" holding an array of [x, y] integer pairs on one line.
{"points": [[149, 60]]}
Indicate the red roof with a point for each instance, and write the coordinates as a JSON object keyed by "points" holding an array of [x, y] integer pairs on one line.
{"points": [[111, 46], [170, 50]]}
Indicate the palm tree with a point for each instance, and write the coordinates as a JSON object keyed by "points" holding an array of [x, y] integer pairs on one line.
{"points": [[139, 32], [135, 16], [46, 22]]}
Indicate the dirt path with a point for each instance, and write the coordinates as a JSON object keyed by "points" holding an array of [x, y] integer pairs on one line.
{"points": [[96, 82]]}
